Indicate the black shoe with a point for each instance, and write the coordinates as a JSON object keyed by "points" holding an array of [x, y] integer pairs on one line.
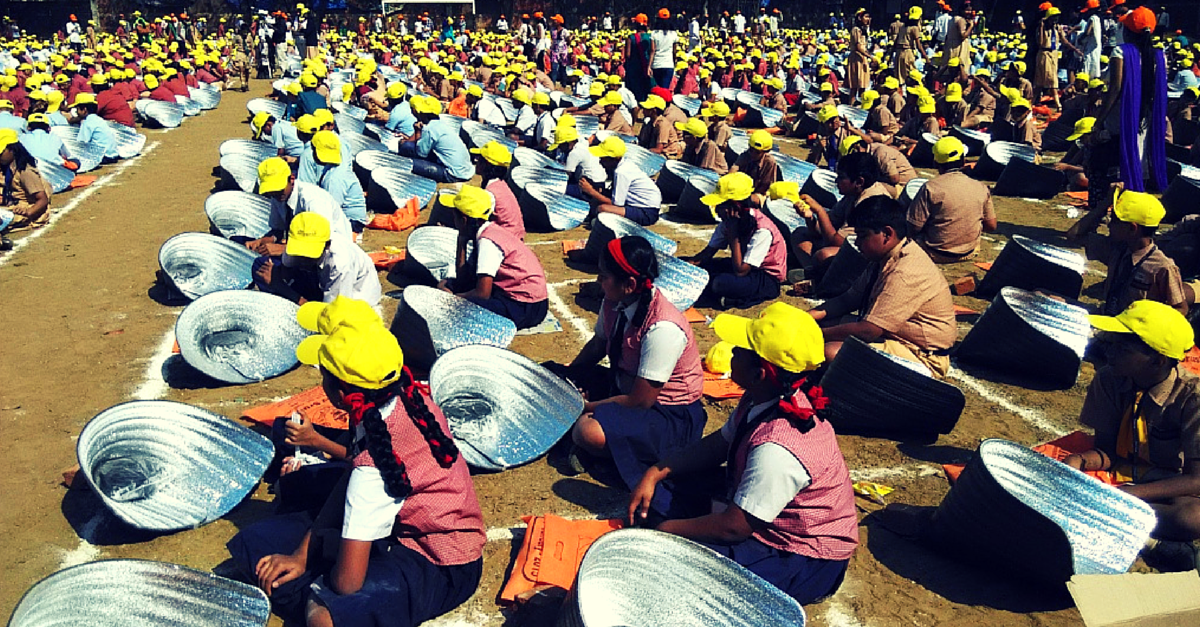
{"points": [[1171, 557], [573, 465], [5, 243], [796, 275]]}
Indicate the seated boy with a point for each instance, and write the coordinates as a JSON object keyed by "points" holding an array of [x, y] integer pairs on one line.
{"points": [[952, 210]]}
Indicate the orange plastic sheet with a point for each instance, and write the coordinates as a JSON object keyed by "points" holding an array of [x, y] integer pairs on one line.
{"points": [[718, 388], [405, 218], [312, 404], [385, 260], [1191, 360], [551, 552], [1076, 442], [569, 245], [81, 180], [693, 316], [959, 310], [983, 265]]}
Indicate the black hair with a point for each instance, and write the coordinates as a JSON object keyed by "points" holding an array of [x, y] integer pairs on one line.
{"points": [[379, 440], [641, 258], [859, 165], [1146, 51], [878, 212]]}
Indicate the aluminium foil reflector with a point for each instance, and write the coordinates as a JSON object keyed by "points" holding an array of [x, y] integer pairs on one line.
{"points": [[140, 593], [239, 336], [922, 153], [1032, 265], [587, 125], [609, 226], [674, 176], [1025, 179], [357, 142], [806, 124], [367, 161], [854, 115], [240, 171], [88, 155], [165, 466], [391, 188], [375, 130], [508, 109], [524, 175], [602, 135], [1180, 198], [822, 187], [546, 209], [56, 174], [432, 255], [996, 155], [568, 100], [129, 141], [689, 205], [758, 116], [793, 169], [357, 113], [910, 191], [646, 578], [206, 99], [201, 263], [346, 123], [974, 140], [239, 214], [735, 97], [646, 161], [257, 149], [503, 409], [190, 107], [430, 322], [529, 157], [477, 134], [1023, 512], [843, 270], [690, 106], [738, 145], [161, 114], [1031, 335], [681, 282], [875, 394], [273, 107], [783, 213]]}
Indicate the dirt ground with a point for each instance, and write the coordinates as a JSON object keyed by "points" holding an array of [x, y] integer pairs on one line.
{"points": [[87, 333]]}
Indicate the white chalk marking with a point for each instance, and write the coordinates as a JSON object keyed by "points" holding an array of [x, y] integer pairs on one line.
{"points": [[894, 472], [1034, 417], [563, 311], [86, 551], [153, 386], [838, 615], [57, 215], [703, 235]]}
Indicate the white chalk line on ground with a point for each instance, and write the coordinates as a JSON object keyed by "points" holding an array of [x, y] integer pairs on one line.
{"points": [[56, 215], [703, 235], [563, 311], [1031, 416], [153, 386]]}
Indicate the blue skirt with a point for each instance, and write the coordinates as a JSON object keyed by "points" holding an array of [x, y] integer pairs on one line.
{"points": [[806, 579]]}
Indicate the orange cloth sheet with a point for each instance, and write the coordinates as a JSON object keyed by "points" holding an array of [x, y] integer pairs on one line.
{"points": [[405, 218], [81, 181], [693, 316], [312, 404], [569, 245], [551, 552], [1191, 360], [718, 388], [1076, 442], [384, 260]]}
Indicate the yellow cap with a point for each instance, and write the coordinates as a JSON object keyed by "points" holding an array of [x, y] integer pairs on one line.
{"points": [[257, 122], [427, 105], [366, 356], [954, 92], [38, 118], [719, 358], [564, 133], [948, 149], [396, 90], [611, 98], [613, 80], [308, 80], [7, 104], [914, 13], [494, 153], [775, 82], [869, 97], [717, 109], [1018, 102], [782, 334], [788, 190], [273, 175], [292, 89], [732, 186], [473, 202], [541, 98], [307, 124], [654, 101], [99, 78], [8, 137], [475, 91], [916, 75], [327, 147], [1082, 127], [954, 62], [926, 104], [522, 95], [826, 113], [1138, 208], [847, 144], [151, 82], [761, 140], [613, 147], [891, 82], [1160, 326], [596, 89], [826, 87], [307, 235], [83, 99], [693, 126], [324, 318], [323, 116]]}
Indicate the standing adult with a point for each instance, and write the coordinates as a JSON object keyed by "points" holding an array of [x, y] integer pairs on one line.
{"points": [[637, 57], [662, 49], [858, 66]]}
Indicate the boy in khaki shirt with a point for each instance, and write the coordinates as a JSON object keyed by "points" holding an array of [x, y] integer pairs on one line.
{"points": [[659, 134], [902, 299], [952, 210]]}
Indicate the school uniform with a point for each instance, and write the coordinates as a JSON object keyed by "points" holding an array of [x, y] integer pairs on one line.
{"points": [[763, 248], [112, 105], [946, 217], [402, 120], [308, 170], [309, 102], [637, 194], [894, 167], [440, 154], [906, 296], [426, 554], [616, 123], [508, 211], [662, 133], [518, 281], [663, 350], [345, 270], [543, 130], [162, 94], [708, 156], [20, 187], [526, 121], [1026, 132], [721, 134], [488, 112], [982, 108], [798, 485], [764, 171], [881, 120], [1145, 274], [345, 188], [839, 215], [96, 132], [45, 146], [308, 197], [283, 135]]}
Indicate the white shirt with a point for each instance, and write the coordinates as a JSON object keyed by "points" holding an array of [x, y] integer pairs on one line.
{"points": [[370, 513], [489, 257], [739, 23], [502, 25], [73, 32], [662, 347], [632, 188], [309, 197], [607, 22], [487, 111], [346, 270], [755, 253], [773, 476], [544, 128], [526, 120], [664, 49], [581, 161]]}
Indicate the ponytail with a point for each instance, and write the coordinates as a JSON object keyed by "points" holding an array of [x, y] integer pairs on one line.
{"points": [[803, 418], [633, 258]]}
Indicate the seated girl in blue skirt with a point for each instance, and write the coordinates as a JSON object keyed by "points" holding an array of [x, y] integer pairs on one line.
{"points": [[647, 403], [502, 274], [405, 542], [790, 517]]}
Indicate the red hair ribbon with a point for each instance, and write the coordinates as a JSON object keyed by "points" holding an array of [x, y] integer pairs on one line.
{"points": [[788, 403], [614, 248], [358, 406]]}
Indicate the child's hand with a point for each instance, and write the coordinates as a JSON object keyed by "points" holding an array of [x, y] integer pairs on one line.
{"points": [[275, 570], [639, 501], [301, 433]]}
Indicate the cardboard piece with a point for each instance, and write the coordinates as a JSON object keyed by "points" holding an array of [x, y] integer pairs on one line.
{"points": [[1137, 600]]}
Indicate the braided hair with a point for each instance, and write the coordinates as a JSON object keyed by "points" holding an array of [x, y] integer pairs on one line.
{"points": [[640, 258], [364, 409], [802, 418]]}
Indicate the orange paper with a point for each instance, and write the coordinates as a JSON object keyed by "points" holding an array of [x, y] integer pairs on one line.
{"points": [[312, 404], [1078, 195], [405, 217], [1076, 442], [959, 310], [983, 265], [1191, 360], [81, 181], [569, 245], [385, 261], [693, 316], [718, 388], [551, 552]]}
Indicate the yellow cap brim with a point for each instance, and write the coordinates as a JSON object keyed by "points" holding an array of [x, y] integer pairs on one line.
{"points": [[712, 200], [1108, 323], [308, 314], [447, 200], [272, 184], [733, 329], [304, 247], [308, 349], [329, 156], [1074, 136]]}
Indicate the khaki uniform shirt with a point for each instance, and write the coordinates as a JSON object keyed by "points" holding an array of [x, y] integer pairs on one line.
{"points": [[720, 133], [840, 214], [893, 164], [1171, 410], [25, 184], [763, 172], [708, 156], [948, 213], [1146, 274], [880, 119]]}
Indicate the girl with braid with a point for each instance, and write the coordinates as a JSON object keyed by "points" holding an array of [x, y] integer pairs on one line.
{"points": [[790, 517], [647, 404], [409, 543]]}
